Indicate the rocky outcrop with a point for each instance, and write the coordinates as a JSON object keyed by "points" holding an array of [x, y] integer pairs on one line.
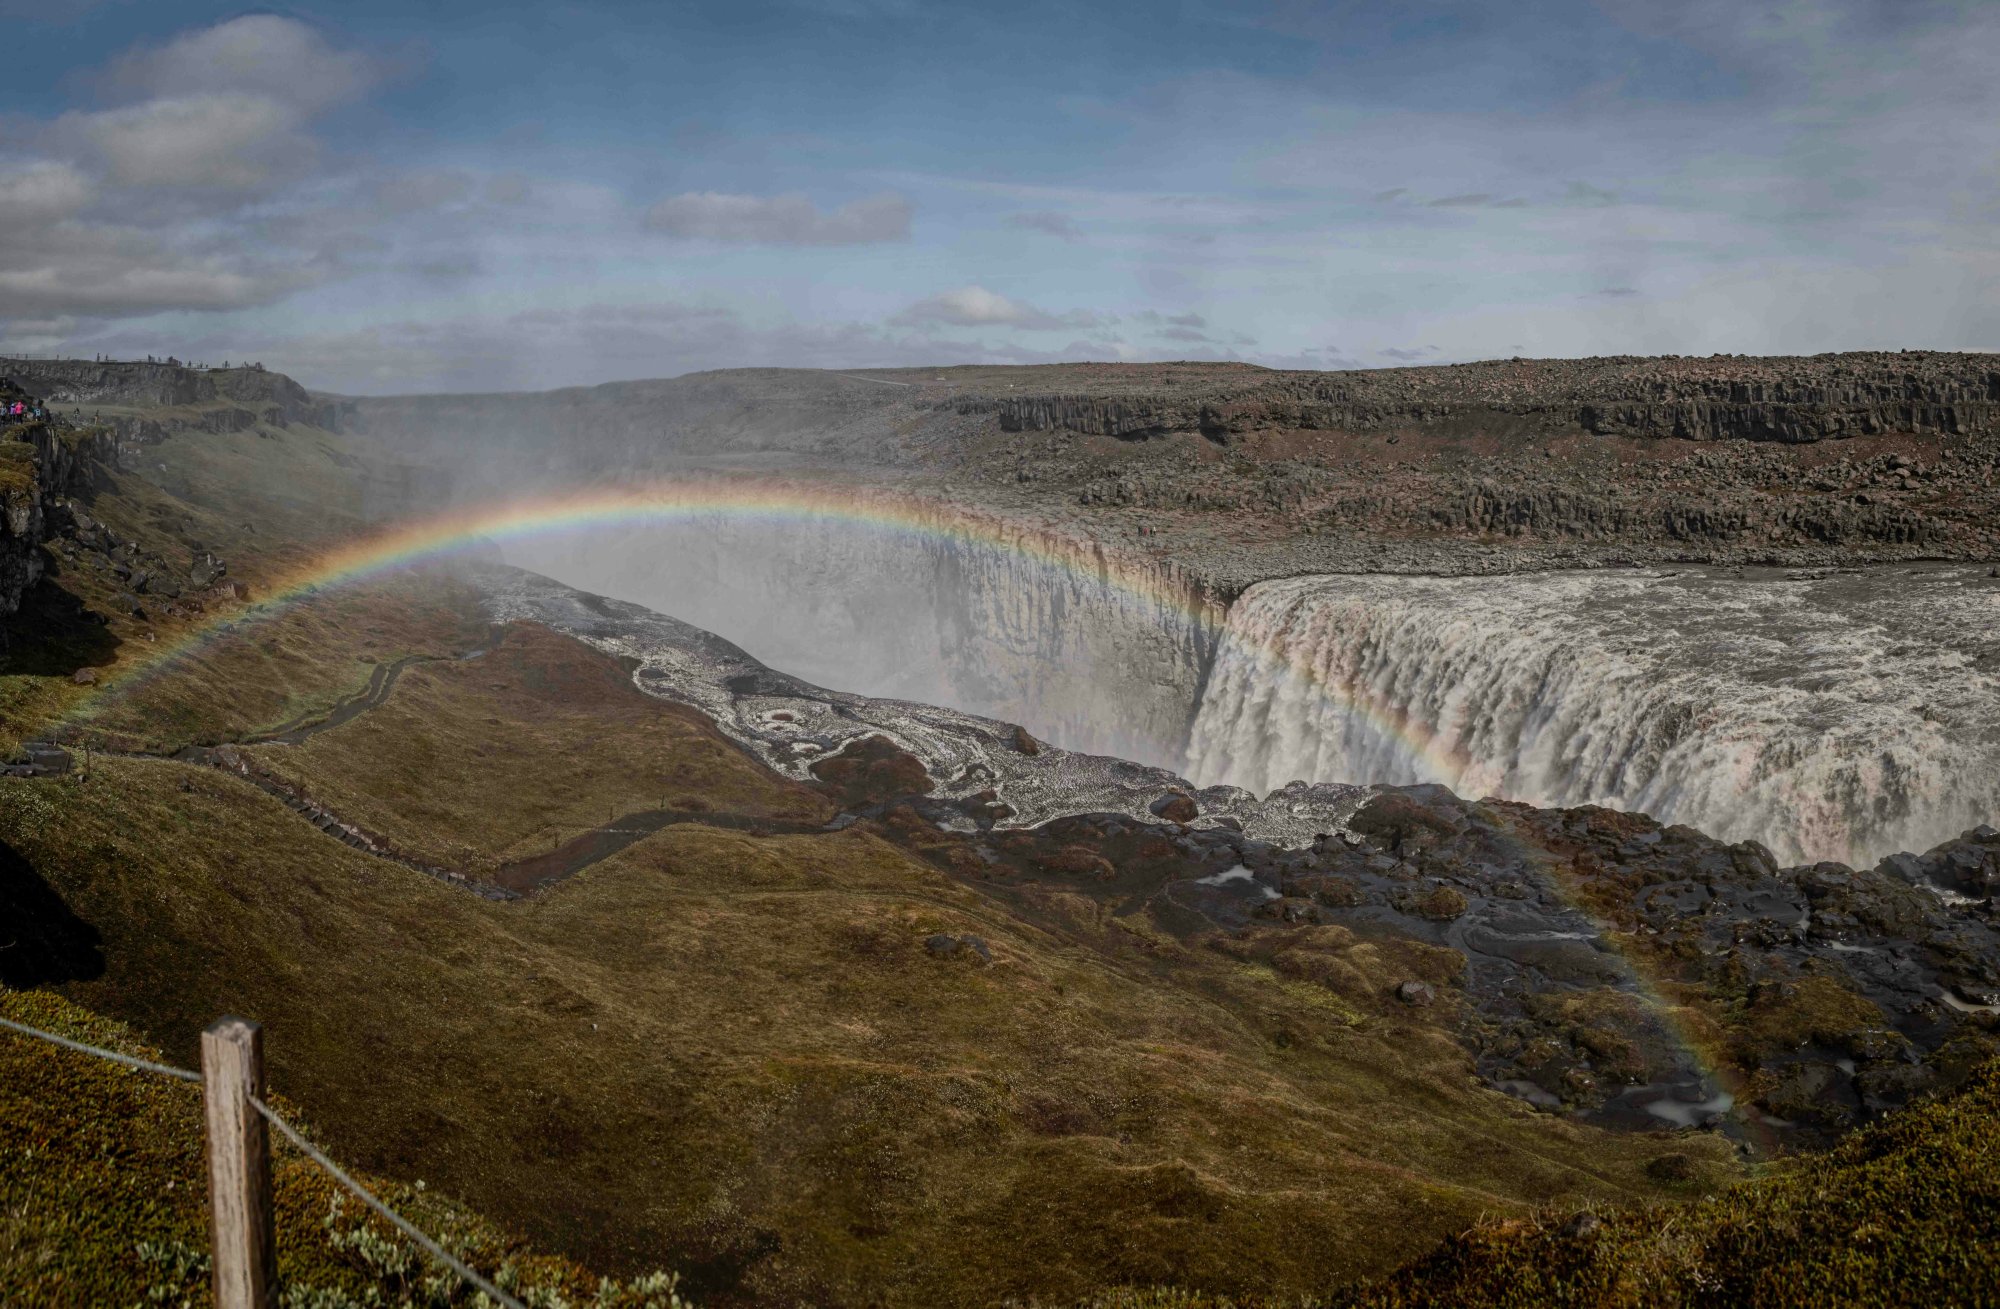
{"points": [[1721, 398], [249, 395], [41, 463]]}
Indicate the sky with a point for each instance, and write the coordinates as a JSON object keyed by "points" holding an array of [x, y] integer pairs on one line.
{"points": [[426, 195]]}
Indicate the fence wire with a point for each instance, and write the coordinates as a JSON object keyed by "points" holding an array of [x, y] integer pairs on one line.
{"points": [[144, 1065], [305, 1147], [401, 1224]]}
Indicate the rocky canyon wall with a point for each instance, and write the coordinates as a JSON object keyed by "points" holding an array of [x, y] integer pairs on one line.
{"points": [[1791, 400], [254, 394]]}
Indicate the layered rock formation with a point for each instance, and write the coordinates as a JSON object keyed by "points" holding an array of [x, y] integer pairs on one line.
{"points": [[1721, 398], [255, 394]]}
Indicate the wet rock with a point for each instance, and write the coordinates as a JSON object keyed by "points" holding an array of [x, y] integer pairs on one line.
{"points": [[1289, 909], [1025, 743], [1811, 1092], [1401, 823], [1892, 1086], [1177, 807]]}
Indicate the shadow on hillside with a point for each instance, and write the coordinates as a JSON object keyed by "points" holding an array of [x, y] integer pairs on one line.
{"points": [[41, 940], [53, 634]]}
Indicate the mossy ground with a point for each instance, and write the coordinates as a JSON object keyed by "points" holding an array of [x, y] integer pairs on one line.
{"points": [[732, 1055], [1904, 1212]]}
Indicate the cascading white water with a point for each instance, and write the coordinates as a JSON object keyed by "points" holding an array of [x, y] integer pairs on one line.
{"points": [[1842, 717], [1839, 717], [1007, 622]]}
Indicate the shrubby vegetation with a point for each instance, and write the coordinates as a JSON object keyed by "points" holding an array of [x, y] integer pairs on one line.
{"points": [[103, 1200]]}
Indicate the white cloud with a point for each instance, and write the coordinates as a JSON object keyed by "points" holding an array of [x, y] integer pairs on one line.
{"points": [[150, 203], [225, 140], [42, 193], [110, 278], [975, 306], [781, 219], [266, 55], [413, 192]]}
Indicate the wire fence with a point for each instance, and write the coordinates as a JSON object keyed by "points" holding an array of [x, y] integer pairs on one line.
{"points": [[305, 1147]]}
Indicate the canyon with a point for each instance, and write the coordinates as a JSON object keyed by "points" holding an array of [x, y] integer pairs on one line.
{"points": [[1713, 590], [1048, 824]]}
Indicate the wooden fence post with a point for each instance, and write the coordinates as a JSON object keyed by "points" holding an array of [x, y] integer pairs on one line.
{"points": [[239, 1166]]}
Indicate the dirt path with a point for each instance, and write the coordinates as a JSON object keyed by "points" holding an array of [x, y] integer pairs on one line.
{"points": [[511, 882]]}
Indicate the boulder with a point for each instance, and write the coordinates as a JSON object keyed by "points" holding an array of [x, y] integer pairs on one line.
{"points": [[1416, 993]]}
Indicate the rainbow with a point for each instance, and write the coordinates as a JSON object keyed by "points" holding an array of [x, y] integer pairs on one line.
{"points": [[1132, 575]]}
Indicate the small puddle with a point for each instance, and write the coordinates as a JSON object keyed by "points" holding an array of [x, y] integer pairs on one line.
{"points": [[1234, 875], [1686, 1113], [1966, 1006]]}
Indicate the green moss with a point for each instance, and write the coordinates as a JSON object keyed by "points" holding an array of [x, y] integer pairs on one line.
{"points": [[17, 467]]}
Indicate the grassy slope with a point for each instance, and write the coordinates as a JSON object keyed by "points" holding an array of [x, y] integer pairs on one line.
{"points": [[265, 500], [471, 763], [1904, 1212], [103, 1197], [732, 1053]]}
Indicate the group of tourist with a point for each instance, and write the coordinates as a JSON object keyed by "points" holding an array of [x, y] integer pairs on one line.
{"points": [[21, 411]]}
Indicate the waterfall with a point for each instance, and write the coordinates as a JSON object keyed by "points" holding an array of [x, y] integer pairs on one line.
{"points": [[1829, 717], [1010, 621]]}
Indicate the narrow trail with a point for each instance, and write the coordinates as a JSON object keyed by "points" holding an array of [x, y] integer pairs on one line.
{"points": [[511, 881]]}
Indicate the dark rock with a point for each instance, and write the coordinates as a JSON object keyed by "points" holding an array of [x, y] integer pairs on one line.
{"points": [[84, 677], [1582, 1227], [1401, 823], [1177, 807], [1416, 993], [207, 571], [945, 946]]}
